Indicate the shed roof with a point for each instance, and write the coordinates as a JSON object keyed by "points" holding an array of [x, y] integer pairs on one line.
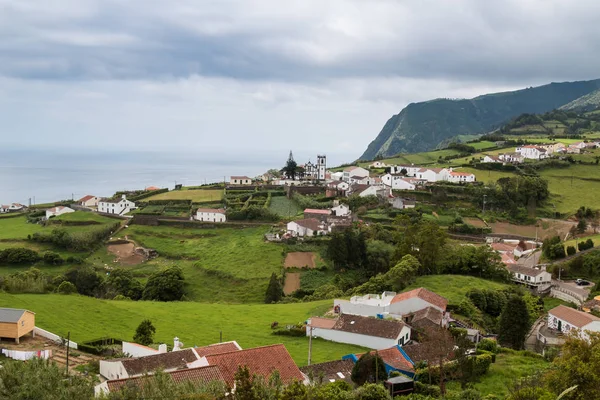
{"points": [[317, 211], [331, 370], [521, 269], [12, 314]]}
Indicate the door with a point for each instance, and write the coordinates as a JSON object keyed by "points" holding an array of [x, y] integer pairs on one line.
{"points": [[559, 325]]}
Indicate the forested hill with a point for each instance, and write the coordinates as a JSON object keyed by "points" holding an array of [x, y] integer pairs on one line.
{"points": [[422, 126]]}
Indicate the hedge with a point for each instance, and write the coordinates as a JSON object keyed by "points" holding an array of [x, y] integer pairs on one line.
{"points": [[481, 364]]}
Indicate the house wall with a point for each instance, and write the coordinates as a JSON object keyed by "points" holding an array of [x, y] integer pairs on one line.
{"points": [[112, 370], [299, 230], [410, 306], [26, 323], [429, 175], [122, 207], [52, 336], [135, 350], [340, 211], [93, 202], [240, 181], [400, 184], [370, 342], [366, 310], [9, 330], [211, 217]]}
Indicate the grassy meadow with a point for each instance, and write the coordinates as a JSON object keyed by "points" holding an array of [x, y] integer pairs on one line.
{"points": [[284, 207], [194, 323], [454, 287], [573, 187], [197, 196]]}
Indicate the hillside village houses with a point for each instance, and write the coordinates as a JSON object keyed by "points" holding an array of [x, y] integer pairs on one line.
{"points": [[89, 201], [240, 180], [56, 211], [14, 207], [354, 173], [116, 206], [210, 215], [505, 158]]}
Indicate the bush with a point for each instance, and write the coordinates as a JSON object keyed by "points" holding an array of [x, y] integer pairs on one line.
{"points": [[19, 255], [571, 250], [427, 390], [67, 288], [52, 258], [489, 345]]}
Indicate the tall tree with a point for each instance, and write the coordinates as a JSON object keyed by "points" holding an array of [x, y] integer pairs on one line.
{"points": [[144, 334], [437, 349], [291, 167], [369, 368], [514, 323], [274, 290], [166, 285]]}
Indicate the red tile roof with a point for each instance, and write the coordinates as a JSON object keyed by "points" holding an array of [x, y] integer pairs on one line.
{"points": [[460, 174], [86, 198], [503, 247], [317, 211], [152, 188], [173, 359], [261, 361], [572, 316], [217, 348], [394, 358], [507, 259], [310, 223], [430, 314], [383, 328], [196, 375], [424, 294], [325, 323]]}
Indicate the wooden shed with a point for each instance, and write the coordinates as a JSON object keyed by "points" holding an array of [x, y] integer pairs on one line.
{"points": [[16, 323]]}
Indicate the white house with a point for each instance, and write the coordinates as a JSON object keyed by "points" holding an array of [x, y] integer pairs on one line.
{"points": [[4, 208], [400, 203], [411, 170], [14, 207], [400, 182], [336, 176], [116, 206], [306, 227], [88, 201], [359, 180], [532, 152], [240, 180], [578, 145], [373, 333], [366, 190], [56, 211], [211, 215], [354, 172], [460, 177], [529, 276], [390, 303], [565, 319], [491, 159], [341, 210], [514, 158]]}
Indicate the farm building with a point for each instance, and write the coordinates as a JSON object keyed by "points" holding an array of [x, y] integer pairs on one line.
{"points": [[118, 206], [240, 180], [373, 333], [56, 211], [16, 323], [88, 201], [211, 215]]}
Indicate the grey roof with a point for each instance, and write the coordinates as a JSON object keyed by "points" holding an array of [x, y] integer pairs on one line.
{"points": [[400, 379], [11, 314]]}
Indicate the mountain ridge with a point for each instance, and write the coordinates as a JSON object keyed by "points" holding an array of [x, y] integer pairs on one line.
{"points": [[424, 125]]}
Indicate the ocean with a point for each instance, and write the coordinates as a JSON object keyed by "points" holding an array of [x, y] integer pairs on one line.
{"points": [[43, 176]]}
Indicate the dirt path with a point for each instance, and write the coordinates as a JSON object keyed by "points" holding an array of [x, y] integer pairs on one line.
{"points": [[125, 253], [292, 282], [300, 260]]}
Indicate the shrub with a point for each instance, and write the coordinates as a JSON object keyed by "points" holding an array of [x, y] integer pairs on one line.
{"points": [[489, 345], [19, 255], [52, 258], [67, 287], [571, 250]]}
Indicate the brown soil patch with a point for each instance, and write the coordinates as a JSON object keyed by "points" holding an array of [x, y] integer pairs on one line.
{"points": [[545, 228], [300, 260], [125, 254], [292, 283], [476, 222]]}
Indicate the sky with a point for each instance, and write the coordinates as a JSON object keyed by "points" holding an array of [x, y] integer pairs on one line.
{"points": [[263, 76]]}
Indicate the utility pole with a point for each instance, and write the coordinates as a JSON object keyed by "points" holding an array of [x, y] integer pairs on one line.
{"points": [[68, 343], [484, 196], [310, 344]]}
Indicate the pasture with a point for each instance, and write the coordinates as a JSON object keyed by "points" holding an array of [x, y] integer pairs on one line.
{"points": [[454, 287], [573, 187], [197, 196], [284, 207], [196, 324]]}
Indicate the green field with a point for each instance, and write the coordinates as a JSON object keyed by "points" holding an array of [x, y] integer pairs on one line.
{"points": [[573, 242], [197, 196], [429, 157], [194, 323], [573, 187], [284, 207], [214, 261], [454, 287], [17, 228], [504, 372]]}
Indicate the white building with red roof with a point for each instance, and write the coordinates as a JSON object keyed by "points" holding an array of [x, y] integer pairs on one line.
{"points": [[390, 303], [88, 201], [460, 177], [210, 215], [533, 152], [566, 319], [56, 211], [240, 180], [307, 227]]}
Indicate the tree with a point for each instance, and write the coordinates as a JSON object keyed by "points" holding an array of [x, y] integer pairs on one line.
{"points": [[85, 279], [578, 364], [41, 379], [372, 391], [291, 168], [438, 347], [571, 250], [581, 226], [379, 257], [166, 285], [144, 334], [67, 287], [514, 323], [369, 368], [402, 274], [121, 282], [274, 290]]}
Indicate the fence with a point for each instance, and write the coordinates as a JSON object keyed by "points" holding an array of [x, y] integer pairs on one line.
{"points": [[49, 335]]}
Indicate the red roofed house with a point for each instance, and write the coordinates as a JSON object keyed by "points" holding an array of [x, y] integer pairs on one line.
{"points": [[152, 188], [240, 180], [321, 215], [565, 319], [210, 215], [4, 208], [373, 333], [56, 211], [200, 375], [89, 201], [390, 303], [459, 177], [261, 361], [394, 358], [307, 227]]}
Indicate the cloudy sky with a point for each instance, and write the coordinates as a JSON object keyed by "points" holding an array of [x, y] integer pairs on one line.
{"points": [[268, 75]]}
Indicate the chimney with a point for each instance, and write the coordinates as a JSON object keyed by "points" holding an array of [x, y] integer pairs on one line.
{"points": [[162, 348], [124, 197], [177, 345]]}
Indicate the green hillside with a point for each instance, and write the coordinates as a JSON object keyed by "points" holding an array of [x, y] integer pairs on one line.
{"points": [[423, 126]]}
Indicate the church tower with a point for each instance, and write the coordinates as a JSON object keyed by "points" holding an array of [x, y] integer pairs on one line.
{"points": [[321, 167]]}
